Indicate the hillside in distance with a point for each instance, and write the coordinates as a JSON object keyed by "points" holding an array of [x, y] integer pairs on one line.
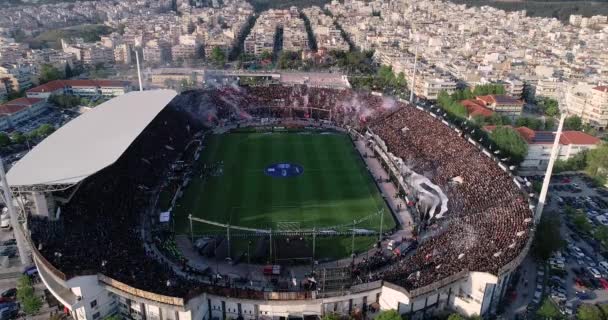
{"points": [[560, 9]]}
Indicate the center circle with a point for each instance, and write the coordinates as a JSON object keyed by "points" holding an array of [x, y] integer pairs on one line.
{"points": [[284, 170]]}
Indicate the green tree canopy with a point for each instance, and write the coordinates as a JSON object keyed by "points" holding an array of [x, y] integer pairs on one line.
{"points": [[548, 310], [581, 223], [49, 73], [30, 303], [532, 123], [5, 140], [588, 312], [44, 130], [455, 316], [548, 238], [18, 137], [68, 71], [266, 55], [597, 163], [65, 101], [549, 106], [573, 123], [509, 141], [389, 315], [331, 316], [218, 57]]}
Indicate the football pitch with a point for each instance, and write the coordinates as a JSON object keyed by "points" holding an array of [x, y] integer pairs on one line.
{"points": [[294, 180]]}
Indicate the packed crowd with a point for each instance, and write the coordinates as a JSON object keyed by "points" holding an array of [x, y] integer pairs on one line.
{"points": [[487, 224], [230, 103], [489, 219], [100, 228]]}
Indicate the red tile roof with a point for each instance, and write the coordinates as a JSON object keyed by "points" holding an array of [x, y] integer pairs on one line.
{"points": [[24, 102], [48, 87], [526, 133], [601, 88], [567, 137], [17, 105], [498, 99], [577, 137], [475, 108], [60, 84], [6, 110]]}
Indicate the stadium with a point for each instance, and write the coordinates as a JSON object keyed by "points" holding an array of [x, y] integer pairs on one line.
{"points": [[270, 202]]}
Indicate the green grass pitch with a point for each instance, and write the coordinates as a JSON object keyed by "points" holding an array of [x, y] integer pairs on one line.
{"points": [[334, 189]]}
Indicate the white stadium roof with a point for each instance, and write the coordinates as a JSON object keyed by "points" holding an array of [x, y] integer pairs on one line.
{"points": [[91, 142]]}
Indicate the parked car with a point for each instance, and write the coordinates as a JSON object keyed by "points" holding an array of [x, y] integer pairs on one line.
{"points": [[594, 272]]}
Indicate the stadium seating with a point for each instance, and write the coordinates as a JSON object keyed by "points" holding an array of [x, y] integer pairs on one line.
{"points": [[486, 226]]}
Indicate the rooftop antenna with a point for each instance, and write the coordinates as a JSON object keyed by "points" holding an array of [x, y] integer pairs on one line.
{"points": [[554, 152], [141, 88]]}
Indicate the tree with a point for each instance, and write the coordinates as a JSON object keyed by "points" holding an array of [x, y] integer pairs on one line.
{"points": [[588, 312], [601, 234], [389, 315], [113, 317], [44, 130], [532, 123], [218, 57], [5, 140], [573, 123], [49, 73], [509, 141], [455, 316], [575, 163], [552, 110], [548, 310], [266, 55], [65, 101], [597, 163], [331, 316], [548, 238], [581, 223], [68, 71], [30, 303], [18, 137]]}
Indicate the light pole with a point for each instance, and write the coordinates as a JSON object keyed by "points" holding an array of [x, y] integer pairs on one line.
{"points": [[414, 74], [17, 231]]}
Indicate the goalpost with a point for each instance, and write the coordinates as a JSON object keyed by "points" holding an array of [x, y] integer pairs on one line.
{"points": [[294, 229]]}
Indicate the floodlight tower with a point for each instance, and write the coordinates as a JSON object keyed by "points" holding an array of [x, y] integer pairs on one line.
{"points": [[416, 39], [554, 153], [141, 88], [414, 74], [17, 230]]}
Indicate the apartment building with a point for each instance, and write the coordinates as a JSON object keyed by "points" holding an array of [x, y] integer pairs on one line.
{"points": [[540, 144], [590, 103], [17, 111], [81, 88]]}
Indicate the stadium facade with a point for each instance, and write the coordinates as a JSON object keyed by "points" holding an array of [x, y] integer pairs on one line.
{"points": [[62, 167]]}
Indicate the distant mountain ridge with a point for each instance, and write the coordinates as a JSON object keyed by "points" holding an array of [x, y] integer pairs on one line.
{"points": [[560, 9]]}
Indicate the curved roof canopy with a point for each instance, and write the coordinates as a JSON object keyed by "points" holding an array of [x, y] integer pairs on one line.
{"points": [[91, 142]]}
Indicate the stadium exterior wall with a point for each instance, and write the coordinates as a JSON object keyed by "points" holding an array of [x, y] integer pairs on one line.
{"points": [[96, 296]]}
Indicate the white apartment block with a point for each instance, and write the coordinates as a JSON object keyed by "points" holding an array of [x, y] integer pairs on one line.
{"points": [[589, 103]]}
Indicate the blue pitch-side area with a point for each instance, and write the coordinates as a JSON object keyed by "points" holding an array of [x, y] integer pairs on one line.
{"points": [[284, 170]]}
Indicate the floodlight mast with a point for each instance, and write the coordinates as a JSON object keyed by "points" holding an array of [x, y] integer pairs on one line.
{"points": [[141, 88], [17, 230], [545, 188]]}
